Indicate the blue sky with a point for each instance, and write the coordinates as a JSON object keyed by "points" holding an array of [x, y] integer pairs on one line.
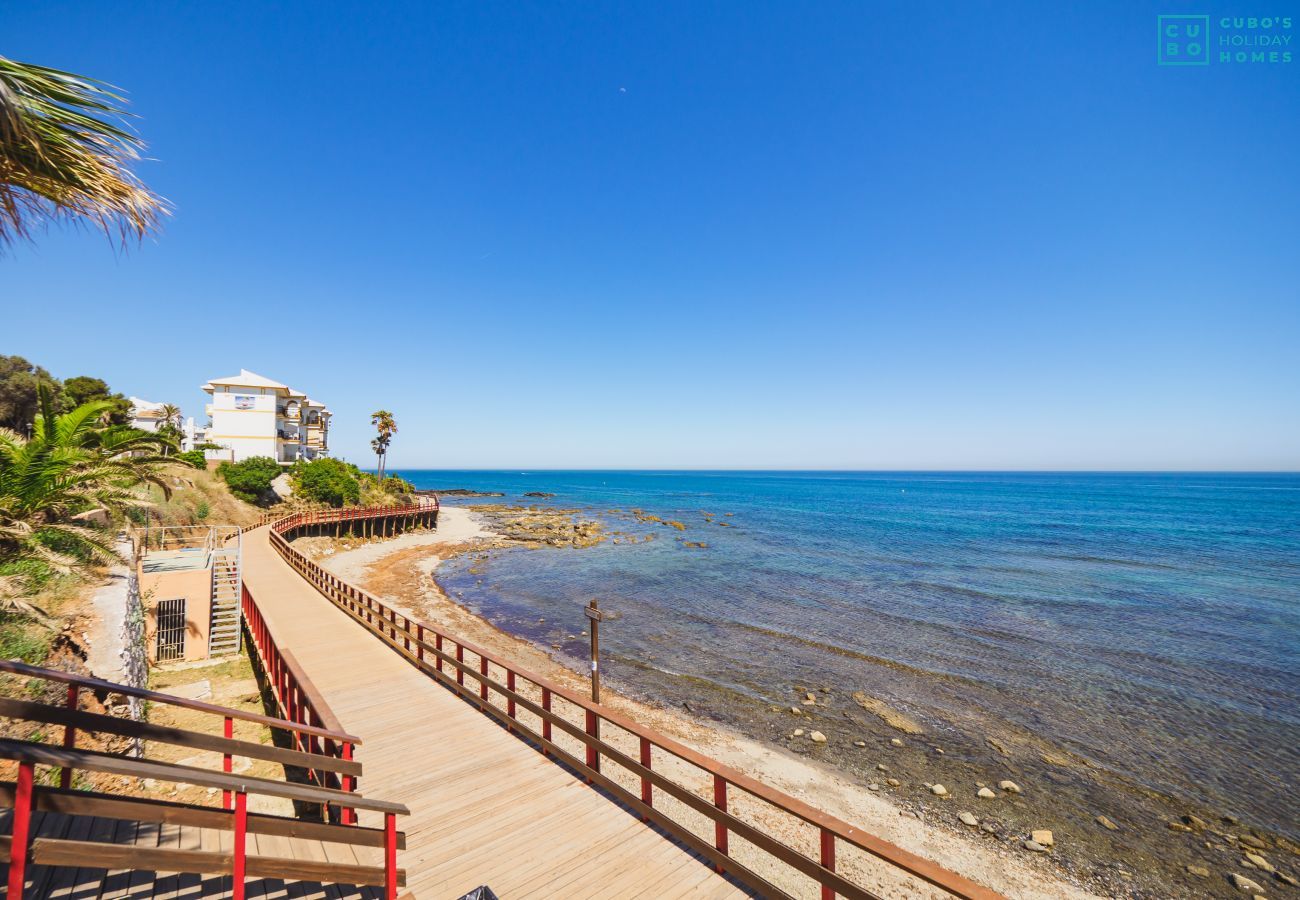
{"points": [[854, 235]]}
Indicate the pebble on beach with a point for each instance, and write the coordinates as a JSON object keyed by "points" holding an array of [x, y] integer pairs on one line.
{"points": [[817, 737], [1106, 823], [1009, 786], [1198, 871], [897, 742], [798, 732], [985, 794], [968, 819], [1242, 883], [938, 790], [1034, 846], [1042, 836]]}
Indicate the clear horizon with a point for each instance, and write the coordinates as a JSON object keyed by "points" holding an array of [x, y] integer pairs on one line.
{"points": [[843, 237]]}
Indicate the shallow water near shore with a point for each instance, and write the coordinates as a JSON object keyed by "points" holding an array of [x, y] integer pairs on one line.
{"points": [[1143, 625]]}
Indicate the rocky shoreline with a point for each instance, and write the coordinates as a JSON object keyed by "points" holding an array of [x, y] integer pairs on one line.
{"points": [[1001, 788]]}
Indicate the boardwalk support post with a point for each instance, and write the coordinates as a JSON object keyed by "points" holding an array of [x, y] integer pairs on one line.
{"points": [[647, 789], [390, 856], [720, 830], [69, 736], [241, 834]]}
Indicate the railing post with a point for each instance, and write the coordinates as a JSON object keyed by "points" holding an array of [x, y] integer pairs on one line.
{"points": [[406, 630], [390, 856], [437, 645], [546, 723], [720, 802], [348, 815], [69, 736], [419, 642], [227, 763], [510, 686], [482, 682], [241, 834], [647, 789], [828, 860], [593, 729], [460, 658], [22, 820]]}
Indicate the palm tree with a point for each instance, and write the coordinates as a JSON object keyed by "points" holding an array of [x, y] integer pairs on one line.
{"points": [[71, 464], [65, 154], [386, 426], [171, 423]]}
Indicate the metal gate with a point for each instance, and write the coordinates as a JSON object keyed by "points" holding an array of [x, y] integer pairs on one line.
{"points": [[171, 630]]}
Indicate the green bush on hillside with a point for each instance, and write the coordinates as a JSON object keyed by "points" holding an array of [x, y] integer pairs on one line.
{"points": [[249, 480], [194, 457], [326, 480], [396, 484]]}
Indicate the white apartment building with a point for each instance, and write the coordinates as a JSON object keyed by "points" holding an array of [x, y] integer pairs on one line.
{"points": [[145, 414], [251, 415]]}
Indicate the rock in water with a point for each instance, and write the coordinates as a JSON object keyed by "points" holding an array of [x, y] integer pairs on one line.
{"points": [[1198, 871], [1034, 846], [1107, 824], [896, 742], [1242, 883], [986, 794], [968, 819], [1009, 786], [817, 737], [1042, 836], [1260, 862], [938, 790]]}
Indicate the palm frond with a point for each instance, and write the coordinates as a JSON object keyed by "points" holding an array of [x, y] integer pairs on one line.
{"points": [[64, 154]]}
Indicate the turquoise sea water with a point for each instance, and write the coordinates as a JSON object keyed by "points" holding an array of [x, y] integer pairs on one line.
{"points": [[1147, 622]]}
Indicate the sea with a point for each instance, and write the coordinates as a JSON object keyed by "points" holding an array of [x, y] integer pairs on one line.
{"points": [[1147, 624]]}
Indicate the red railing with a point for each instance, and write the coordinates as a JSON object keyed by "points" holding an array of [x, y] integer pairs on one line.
{"points": [[443, 657], [298, 701]]}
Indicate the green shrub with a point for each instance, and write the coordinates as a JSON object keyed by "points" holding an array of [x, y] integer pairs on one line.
{"points": [[396, 484], [327, 480], [250, 479], [194, 457], [202, 510], [23, 639], [34, 574]]}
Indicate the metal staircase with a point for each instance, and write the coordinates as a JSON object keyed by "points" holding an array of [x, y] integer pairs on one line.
{"points": [[224, 630]]}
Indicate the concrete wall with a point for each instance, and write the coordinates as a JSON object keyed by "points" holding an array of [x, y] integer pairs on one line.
{"points": [[195, 585]]}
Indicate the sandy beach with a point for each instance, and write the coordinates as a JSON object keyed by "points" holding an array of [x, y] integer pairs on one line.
{"points": [[400, 570]]}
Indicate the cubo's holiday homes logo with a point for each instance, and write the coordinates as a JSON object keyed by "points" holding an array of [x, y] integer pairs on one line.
{"points": [[1229, 40]]}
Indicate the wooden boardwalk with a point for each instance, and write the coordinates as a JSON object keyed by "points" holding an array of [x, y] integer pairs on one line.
{"points": [[485, 807]]}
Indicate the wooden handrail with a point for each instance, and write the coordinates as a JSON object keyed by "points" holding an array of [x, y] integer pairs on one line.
{"points": [[43, 754], [147, 809], [366, 609], [15, 667], [86, 721]]}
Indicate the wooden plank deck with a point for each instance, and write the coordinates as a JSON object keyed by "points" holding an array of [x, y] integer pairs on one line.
{"points": [[485, 808]]}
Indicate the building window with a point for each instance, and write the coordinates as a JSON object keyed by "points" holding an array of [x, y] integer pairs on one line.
{"points": [[171, 630]]}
